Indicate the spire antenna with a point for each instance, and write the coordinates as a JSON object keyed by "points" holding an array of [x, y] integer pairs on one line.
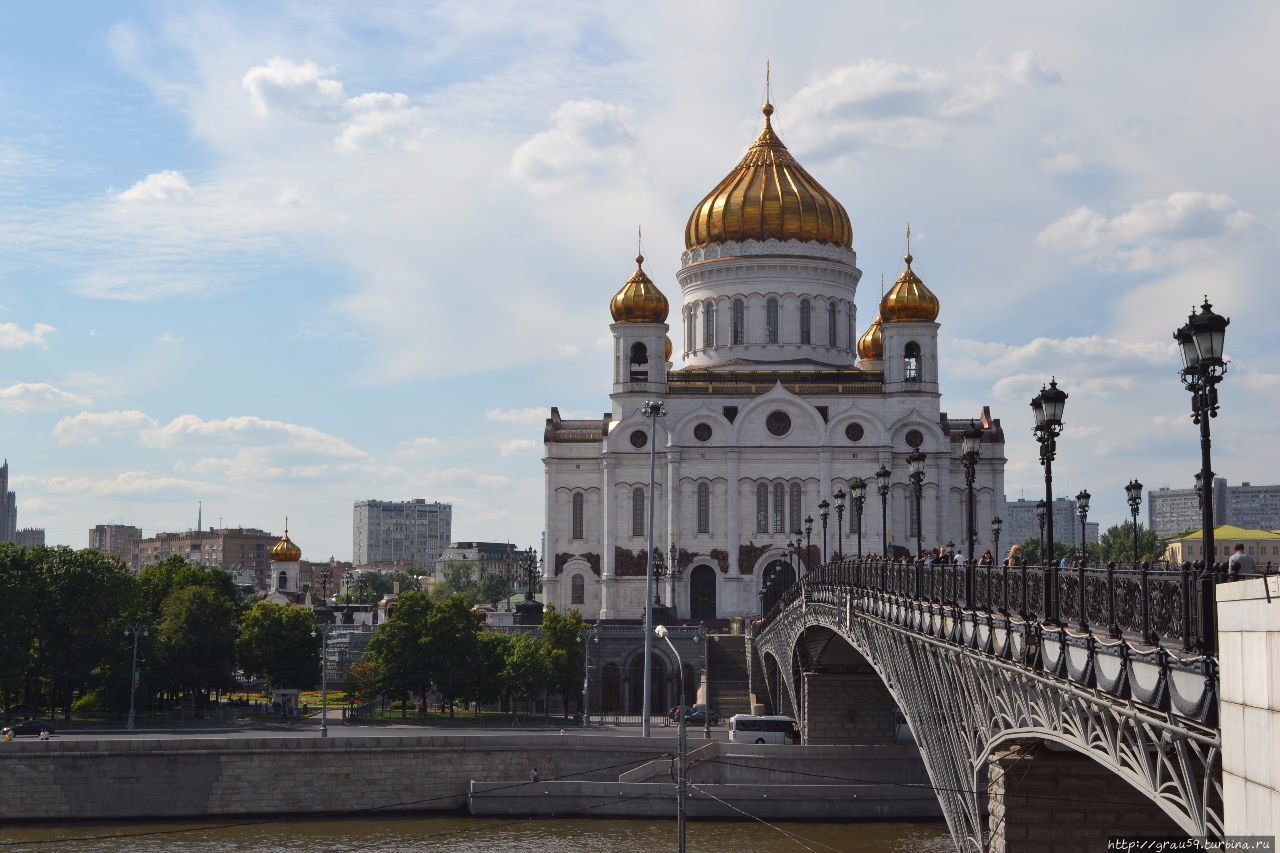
{"points": [[768, 82], [639, 244]]}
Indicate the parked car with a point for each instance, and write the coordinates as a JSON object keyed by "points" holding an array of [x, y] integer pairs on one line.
{"points": [[31, 727], [695, 717]]}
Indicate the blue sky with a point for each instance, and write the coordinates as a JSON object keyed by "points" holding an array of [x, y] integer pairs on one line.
{"points": [[282, 259]]}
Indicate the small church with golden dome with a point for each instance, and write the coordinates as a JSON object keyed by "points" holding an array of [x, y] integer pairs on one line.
{"points": [[778, 405]]}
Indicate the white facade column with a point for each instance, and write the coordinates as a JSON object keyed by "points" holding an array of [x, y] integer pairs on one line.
{"points": [[824, 476], [608, 524], [732, 515], [674, 528]]}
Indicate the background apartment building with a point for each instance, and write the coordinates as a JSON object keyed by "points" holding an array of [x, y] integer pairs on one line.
{"points": [[1172, 512], [118, 540], [243, 551], [8, 507], [412, 532], [1021, 524], [488, 558], [29, 537]]}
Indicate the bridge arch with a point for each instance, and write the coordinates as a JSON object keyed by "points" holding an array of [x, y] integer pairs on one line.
{"points": [[842, 697]]}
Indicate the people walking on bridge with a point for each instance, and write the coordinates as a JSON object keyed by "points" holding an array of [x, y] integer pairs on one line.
{"points": [[986, 559], [1014, 557], [1240, 563]]}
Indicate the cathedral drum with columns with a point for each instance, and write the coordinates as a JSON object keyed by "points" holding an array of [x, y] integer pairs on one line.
{"points": [[777, 407]]}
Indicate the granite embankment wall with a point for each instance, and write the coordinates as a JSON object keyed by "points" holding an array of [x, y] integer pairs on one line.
{"points": [[155, 778]]}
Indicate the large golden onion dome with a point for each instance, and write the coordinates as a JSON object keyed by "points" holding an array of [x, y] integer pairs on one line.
{"points": [[768, 196], [909, 299], [667, 348], [639, 300], [871, 344], [285, 551]]}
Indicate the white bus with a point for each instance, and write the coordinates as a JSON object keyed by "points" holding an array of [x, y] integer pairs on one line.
{"points": [[748, 728]]}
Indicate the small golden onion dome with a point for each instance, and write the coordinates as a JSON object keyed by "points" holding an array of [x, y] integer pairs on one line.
{"points": [[871, 344], [909, 299], [668, 347], [768, 196], [285, 551], [639, 300]]}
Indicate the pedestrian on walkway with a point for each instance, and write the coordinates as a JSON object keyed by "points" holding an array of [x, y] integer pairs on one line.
{"points": [[533, 775], [1239, 563]]}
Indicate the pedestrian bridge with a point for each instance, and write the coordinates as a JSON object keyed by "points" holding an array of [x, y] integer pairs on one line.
{"points": [[1051, 705]]}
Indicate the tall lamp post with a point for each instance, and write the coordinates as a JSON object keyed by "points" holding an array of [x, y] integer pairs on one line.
{"points": [[1201, 343], [1133, 492], [971, 452], [996, 524], [1041, 512], [653, 409], [134, 630], [1082, 509], [915, 463], [824, 512], [661, 631], [858, 491], [808, 540], [839, 496], [322, 631], [882, 486], [799, 562], [1047, 408]]}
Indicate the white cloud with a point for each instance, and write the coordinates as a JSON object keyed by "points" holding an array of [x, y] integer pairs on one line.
{"points": [[879, 102], [381, 120], [1154, 234], [91, 427], [38, 397], [518, 445], [587, 139], [295, 437], [998, 359], [168, 338], [128, 483], [13, 336], [159, 187], [532, 415], [297, 89]]}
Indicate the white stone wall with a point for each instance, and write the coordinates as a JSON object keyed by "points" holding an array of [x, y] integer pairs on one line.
{"points": [[1249, 677]]}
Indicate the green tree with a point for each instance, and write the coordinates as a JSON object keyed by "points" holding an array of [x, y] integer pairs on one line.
{"points": [[19, 590], [563, 633], [526, 671], [493, 587], [492, 649], [457, 576], [363, 681], [398, 650], [1116, 544], [452, 647], [196, 640], [276, 641], [1031, 551]]}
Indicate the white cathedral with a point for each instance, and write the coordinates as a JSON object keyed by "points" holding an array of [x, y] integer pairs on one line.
{"points": [[776, 408]]}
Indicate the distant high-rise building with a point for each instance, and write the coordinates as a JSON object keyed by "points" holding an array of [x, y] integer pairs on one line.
{"points": [[118, 540], [414, 532], [1171, 512], [29, 537], [242, 550], [1021, 524]]}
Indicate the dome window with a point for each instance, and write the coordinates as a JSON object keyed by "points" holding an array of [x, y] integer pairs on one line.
{"points": [[806, 322], [639, 438], [911, 362], [915, 438], [778, 423], [639, 362], [854, 432], [739, 322], [709, 324], [771, 319], [831, 324], [702, 432]]}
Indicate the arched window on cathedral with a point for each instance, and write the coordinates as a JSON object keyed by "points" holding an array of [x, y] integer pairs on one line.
{"points": [[578, 590], [704, 507], [709, 324], [831, 324], [795, 507], [806, 322], [911, 367], [771, 319], [639, 362], [739, 322], [637, 512], [779, 508], [283, 581], [578, 513], [762, 508]]}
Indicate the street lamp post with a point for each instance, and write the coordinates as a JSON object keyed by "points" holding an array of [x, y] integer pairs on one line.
{"points": [[824, 512], [882, 486], [915, 463], [1082, 509], [839, 496], [858, 491], [322, 631], [1133, 492], [799, 562], [587, 640], [653, 409], [661, 631], [971, 452], [808, 539], [1201, 343], [135, 630], [996, 524], [1047, 408], [1041, 512]]}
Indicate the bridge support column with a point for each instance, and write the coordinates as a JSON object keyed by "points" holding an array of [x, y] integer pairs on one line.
{"points": [[1041, 800], [845, 708]]}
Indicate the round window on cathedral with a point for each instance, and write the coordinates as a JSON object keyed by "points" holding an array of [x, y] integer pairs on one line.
{"points": [[639, 438], [914, 438], [778, 423], [854, 432], [702, 432]]}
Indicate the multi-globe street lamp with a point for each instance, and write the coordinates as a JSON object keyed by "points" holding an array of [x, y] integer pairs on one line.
{"points": [[997, 523], [882, 486], [134, 630], [1133, 492], [1082, 509], [1201, 343], [824, 512], [839, 496], [915, 463], [808, 540], [970, 453], [1047, 407], [652, 409], [858, 491], [323, 631]]}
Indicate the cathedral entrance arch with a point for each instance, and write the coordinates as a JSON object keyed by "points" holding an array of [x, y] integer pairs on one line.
{"points": [[702, 593], [635, 686], [778, 576]]}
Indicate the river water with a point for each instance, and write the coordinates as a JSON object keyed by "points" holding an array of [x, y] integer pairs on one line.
{"points": [[472, 835]]}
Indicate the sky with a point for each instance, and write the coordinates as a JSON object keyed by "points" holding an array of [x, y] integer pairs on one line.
{"points": [[277, 258]]}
